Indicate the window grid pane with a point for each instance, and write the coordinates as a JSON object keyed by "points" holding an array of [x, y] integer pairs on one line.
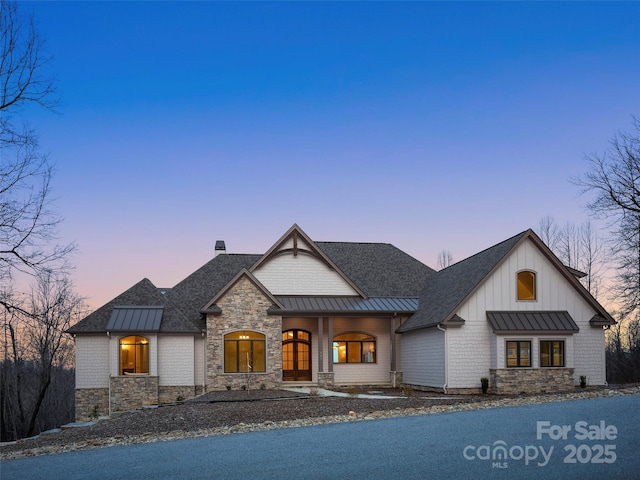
{"points": [[552, 353], [519, 354]]}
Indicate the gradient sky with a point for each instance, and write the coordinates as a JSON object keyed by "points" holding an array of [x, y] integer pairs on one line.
{"points": [[430, 126]]}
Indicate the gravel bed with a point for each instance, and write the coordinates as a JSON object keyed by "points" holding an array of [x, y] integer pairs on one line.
{"points": [[220, 413]]}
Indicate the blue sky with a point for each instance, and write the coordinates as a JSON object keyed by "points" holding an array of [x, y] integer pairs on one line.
{"points": [[427, 125]]}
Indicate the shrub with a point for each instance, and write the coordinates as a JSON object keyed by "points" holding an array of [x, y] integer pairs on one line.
{"points": [[485, 384]]}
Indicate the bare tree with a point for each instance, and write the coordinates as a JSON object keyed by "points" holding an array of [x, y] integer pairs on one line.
{"points": [[548, 231], [578, 247], [35, 350], [38, 349], [445, 258], [27, 222], [614, 182]]}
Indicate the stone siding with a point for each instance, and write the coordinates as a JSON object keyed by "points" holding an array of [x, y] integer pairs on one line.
{"points": [[395, 378], [168, 394], [131, 392], [530, 380], [325, 379], [244, 307], [91, 403]]}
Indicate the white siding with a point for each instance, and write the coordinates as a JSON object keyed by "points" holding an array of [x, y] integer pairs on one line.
{"points": [[471, 352], [423, 357], [176, 360], [302, 274], [364, 373], [92, 361]]}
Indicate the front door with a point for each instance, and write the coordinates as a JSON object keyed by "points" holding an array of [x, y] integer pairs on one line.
{"points": [[296, 356]]}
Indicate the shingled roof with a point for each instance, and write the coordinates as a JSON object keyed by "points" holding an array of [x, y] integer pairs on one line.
{"points": [[450, 287], [378, 269], [192, 293], [142, 293]]}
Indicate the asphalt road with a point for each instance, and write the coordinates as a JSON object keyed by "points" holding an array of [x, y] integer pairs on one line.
{"points": [[584, 439]]}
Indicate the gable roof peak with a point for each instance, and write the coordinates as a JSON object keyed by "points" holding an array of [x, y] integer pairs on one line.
{"points": [[296, 233], [244, 273]]}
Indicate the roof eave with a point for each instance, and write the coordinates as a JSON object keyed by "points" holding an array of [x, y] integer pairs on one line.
{"points": [[598, 321]]}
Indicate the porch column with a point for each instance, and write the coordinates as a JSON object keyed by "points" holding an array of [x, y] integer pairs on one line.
{"points": [[392, 333], [330, 344], [320, 348]]}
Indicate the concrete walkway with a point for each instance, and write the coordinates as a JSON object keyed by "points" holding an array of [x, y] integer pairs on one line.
{"points": [[330, 393], [323, 392]]}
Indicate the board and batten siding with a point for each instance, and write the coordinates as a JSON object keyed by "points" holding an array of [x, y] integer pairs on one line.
{"points": [[422, 356], [92, 361], [176, 360], [471, 353], [302, 274], [363, 373]]}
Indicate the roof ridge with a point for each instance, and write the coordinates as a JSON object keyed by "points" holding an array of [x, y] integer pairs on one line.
{"points": [[475, 255], [355, 243]]}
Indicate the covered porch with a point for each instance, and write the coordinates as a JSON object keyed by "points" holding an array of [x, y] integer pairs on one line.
{"points": [[342, 340]]}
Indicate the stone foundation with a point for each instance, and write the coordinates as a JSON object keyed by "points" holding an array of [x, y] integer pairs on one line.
{"points": [[132, 392], [91, 403], [243, 381], [325, 379], [396, 379], [463, 391], [168, 394], [530, 380]]}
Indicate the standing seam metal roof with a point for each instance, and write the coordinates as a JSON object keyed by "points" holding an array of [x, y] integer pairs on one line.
{"points": [[138, 318], [347, 304], [540, 321]]}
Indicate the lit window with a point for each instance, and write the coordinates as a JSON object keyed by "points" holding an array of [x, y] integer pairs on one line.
{"points": [[134, 355], [244, 351], [552, 353], [354, 348], [519, 354], [526, 285]]}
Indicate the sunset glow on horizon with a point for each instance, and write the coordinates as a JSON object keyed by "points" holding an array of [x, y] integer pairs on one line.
{"points": [[427, 125]]}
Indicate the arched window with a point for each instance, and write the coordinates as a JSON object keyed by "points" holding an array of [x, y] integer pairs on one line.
{"points": [[354, 348], [134, 355], [244, 351], [526, 285]]}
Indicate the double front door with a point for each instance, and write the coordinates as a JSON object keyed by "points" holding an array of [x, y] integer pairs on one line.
{"points": [[296, 356]]}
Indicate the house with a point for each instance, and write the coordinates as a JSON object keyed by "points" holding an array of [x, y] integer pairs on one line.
{"points": [[336, 313]]}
